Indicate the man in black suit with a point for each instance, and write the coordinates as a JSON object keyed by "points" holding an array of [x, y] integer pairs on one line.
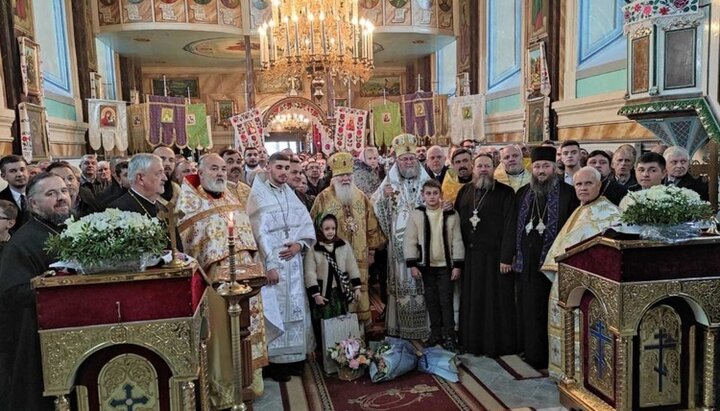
{"points": [[435, 163], [611, 189], [678, 165], [118, 186], [13, 169]]}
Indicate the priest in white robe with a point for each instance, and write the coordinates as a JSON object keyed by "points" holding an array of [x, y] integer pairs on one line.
{"points": [[395, 199], [283, 230], [595, 214]]}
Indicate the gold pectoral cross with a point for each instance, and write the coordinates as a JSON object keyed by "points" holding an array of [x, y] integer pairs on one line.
{"points": [[170, 217]]}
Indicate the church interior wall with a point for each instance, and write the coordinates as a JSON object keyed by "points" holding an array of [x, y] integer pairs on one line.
{"points": [[7, 116]]}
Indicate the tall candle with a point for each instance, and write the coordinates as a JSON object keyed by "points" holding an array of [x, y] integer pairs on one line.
{"points": [[311, 19], [231, 225]]}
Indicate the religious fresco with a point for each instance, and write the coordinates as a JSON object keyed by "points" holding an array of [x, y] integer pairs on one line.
{"points": [[537, 23], [391, 85], [445, 14], [259, 12], [372, 10], [533, 70], [230, 13], [397, 13], [137, 11], [424, 13], [226, 47], [89, 37], [202, 11], [170, 11], [179, 87], [535, 121], [23, 17]]}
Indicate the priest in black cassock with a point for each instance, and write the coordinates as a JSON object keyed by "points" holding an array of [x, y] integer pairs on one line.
{"points": [[25, 257], [543, 206], [487, 297], [147, 183]]}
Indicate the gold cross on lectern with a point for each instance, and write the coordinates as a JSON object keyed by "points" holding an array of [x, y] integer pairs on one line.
{"points": [[170, 217]]}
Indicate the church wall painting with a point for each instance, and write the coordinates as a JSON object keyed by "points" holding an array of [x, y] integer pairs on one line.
{"points": [[391, 85], [136, 11], [179, 87], [109, 11], [679, 58], [37, 127], [535, 121], [224, 109], [172, 11], [537, 21], [464, 39], [23, 17], [397, 12], [640, 65], [534, 68], [202, 11]]}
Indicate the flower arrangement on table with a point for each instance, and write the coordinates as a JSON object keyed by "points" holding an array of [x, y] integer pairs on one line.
{"points": [[668, 213], [108, 240], [352, 356]]}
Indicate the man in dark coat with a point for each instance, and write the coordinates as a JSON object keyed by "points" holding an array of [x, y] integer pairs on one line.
{"points": [[25, 257], [435, 163], [543, 206], [13, 169], [487, 297], [82, 200], [612, 190], [118, 186], [677, 161]]}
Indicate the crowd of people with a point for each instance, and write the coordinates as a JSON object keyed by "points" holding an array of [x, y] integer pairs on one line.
{"points": [[461, 243]]}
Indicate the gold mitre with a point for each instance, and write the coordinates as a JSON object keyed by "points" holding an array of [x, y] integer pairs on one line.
{"points": [[341, 163], [404, 144]]}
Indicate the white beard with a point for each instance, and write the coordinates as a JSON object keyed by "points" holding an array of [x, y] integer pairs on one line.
{"points": [[344, 193], [215, 186]]}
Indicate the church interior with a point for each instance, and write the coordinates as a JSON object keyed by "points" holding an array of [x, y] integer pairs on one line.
{"points": [[80, 76]]}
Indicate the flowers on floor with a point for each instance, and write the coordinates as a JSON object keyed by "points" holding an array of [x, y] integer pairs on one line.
{"points": [[439, 361], [665, 205], [109, 238], [351, 353], [393, 358]]}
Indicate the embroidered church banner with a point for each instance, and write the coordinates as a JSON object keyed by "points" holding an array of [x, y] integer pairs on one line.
{"points": [[419, 114], [137, 114], [166, 121], [249, 129], [466, 118], [108, 125], [196, 125], [350, 129], [386, 123]]}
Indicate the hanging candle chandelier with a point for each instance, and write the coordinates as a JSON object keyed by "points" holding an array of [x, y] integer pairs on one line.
{"points": [[314, 37]]}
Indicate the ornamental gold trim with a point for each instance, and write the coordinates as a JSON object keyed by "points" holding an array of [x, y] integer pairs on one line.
{"points": [[47, 281], [606, 291], [64, 350]]}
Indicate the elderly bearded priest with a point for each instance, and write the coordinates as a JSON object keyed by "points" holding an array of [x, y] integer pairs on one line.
{"points": [[395, 199], [356, 223], [207, 200]]}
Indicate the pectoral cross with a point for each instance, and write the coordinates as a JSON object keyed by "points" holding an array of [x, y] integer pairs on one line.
{"points": [[286, 230], [170, 217], [474, 220]]}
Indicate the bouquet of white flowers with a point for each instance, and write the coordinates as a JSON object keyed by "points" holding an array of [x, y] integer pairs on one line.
{"points": [[109, 238], [666, 205]]}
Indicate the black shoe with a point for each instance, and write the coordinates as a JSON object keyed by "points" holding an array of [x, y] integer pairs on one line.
{"points": [[296, 368], [433, 341], [276, 372]]}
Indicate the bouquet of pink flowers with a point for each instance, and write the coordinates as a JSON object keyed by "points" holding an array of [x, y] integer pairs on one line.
{"points": [[351, 352]]}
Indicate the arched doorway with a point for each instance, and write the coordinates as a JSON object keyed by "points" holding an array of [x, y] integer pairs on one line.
{"points": [[296, 123]]}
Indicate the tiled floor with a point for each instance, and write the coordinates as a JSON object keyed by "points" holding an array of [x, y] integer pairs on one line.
{"points": [[540, 394]]}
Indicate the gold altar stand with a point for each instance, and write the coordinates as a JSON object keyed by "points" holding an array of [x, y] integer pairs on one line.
{"points": [[123, 341], [648, 316]]}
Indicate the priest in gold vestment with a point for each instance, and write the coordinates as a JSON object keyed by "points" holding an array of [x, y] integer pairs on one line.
{"points": [[357, 224], [207, 201], [595, 214]]}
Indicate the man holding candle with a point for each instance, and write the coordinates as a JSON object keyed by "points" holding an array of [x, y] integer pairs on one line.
{"points": [[283, 229], [210, 203]]}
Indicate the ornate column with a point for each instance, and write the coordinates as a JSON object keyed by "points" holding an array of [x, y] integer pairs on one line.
{"points": [[569, 346], [709, 369], [623, 370], [62, 403]]}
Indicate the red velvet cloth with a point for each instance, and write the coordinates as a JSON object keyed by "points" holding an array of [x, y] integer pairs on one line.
{"points": [[649, 264], [95, 304]]}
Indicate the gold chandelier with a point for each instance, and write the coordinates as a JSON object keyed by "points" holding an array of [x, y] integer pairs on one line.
{"points": [[310, 37], [290, 122]]}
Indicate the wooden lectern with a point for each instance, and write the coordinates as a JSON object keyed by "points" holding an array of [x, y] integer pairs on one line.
{"points": [[127, 340], [648, 317]]}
